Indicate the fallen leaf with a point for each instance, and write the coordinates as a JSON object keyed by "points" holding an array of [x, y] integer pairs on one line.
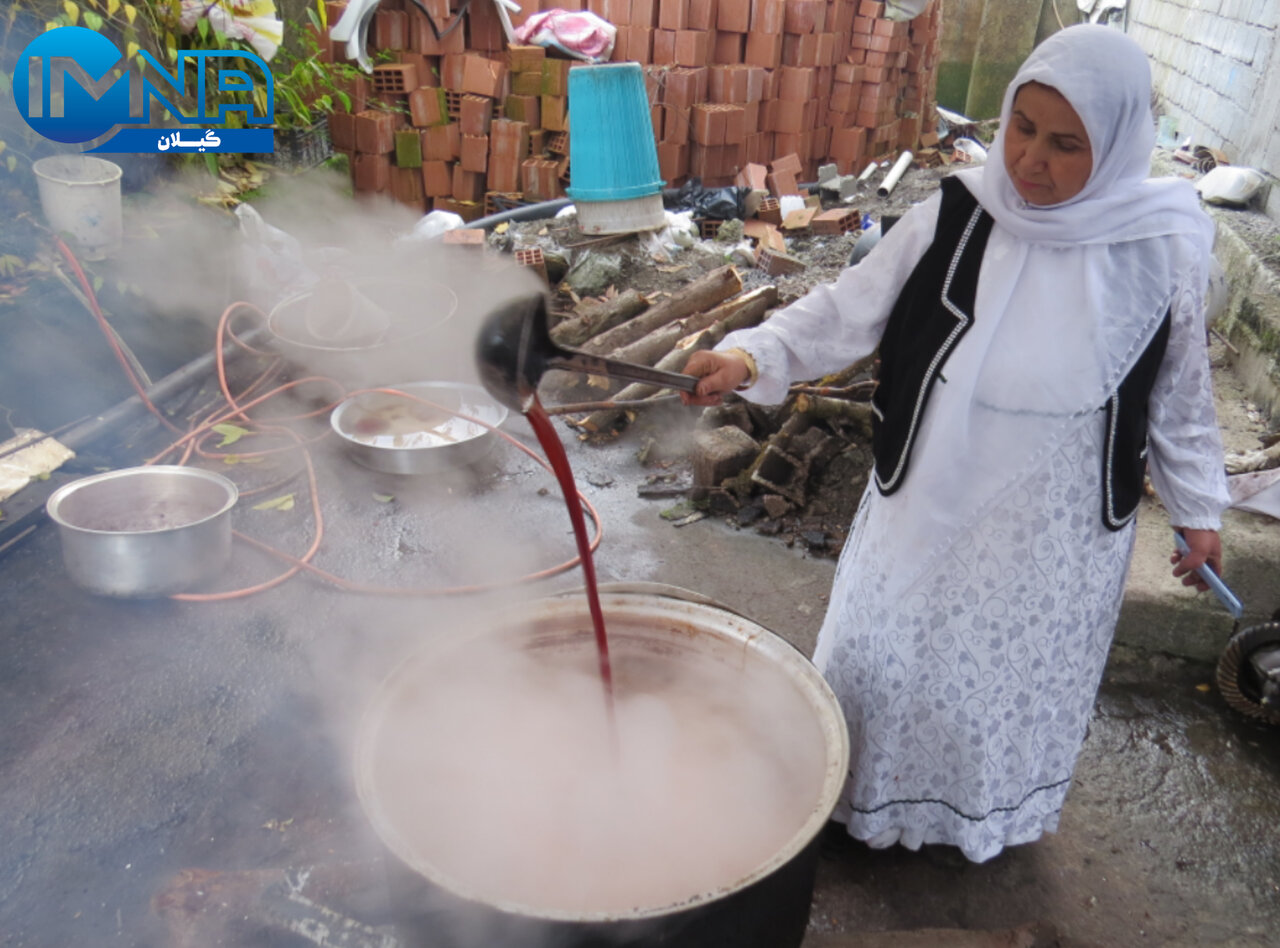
{"points": [[502, 228], [384, 498], [230, 434], [1203, 688], [277, 503]]}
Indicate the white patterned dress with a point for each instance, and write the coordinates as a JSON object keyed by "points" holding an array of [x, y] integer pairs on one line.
{"points": [[967, 668]]}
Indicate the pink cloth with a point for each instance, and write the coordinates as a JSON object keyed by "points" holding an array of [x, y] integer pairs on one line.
{"points": [[577, 33]]}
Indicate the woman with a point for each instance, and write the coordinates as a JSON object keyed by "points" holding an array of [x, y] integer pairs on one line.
{"points": [[1040, 329]]}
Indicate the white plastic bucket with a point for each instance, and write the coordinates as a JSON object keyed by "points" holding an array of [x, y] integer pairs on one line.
{"points": [[80, 196]]}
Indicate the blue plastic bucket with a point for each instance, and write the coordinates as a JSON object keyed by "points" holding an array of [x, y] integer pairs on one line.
{"points": [[612, 154]]}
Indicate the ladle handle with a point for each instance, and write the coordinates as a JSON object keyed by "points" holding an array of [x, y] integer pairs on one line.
{"points": [[598, 365]]}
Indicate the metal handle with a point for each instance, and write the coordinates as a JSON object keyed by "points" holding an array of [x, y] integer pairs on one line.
{"points": [[598, 365], [1205, 572]]}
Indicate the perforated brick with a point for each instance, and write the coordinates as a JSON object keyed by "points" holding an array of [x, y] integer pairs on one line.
{"points": [[533, 259]]}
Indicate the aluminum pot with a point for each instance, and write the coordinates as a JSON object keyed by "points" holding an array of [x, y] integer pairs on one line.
{"points": [[361, 331], [766, 907], [442, 439], [144, 531]]}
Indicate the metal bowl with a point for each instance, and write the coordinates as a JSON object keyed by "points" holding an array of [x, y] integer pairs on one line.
{"points": [[358, 330], [443, 425], [144, 531]]}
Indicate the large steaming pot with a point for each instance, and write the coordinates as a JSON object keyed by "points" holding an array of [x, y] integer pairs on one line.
{"points": [[767, 907]]}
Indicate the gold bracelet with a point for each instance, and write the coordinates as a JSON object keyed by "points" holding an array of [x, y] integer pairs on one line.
{"points": [[753, 373]]}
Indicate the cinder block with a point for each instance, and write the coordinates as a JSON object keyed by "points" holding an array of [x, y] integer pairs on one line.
{"points": [[375, 132], [427, 107], [836, 221], [475, 153], [703, 13], [734, 16], [390, 29], [406, 187], [394, 79], [721, 453], [408, 149], [768, 16], [532, 258], [483, 76], [468, 185], [441, 143], [371, 173], [799, 221], [673, 14], [472, 237], [664, 47], [475, 115], [693, 48], [342, 131], [753, 176], [805, 16], [526, 59], [779, 264], [555, 77], [644, 13], [763, 49], [728, 47], [437, 178]]}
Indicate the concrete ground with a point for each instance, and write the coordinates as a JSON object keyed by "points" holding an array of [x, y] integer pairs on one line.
{"points": [[165, 763], [179, 774]]}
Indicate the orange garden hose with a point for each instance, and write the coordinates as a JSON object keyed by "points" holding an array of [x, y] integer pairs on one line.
{"points": [[232, 407]]}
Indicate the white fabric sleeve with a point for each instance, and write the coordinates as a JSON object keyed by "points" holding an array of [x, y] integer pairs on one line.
{"points": [[838, 323], [1185, 457]]}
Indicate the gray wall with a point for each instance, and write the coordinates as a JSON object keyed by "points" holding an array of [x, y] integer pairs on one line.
{"points": [[1216, 71]]}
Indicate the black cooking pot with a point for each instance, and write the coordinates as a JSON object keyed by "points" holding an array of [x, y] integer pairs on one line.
{"points": [[764, 907]]}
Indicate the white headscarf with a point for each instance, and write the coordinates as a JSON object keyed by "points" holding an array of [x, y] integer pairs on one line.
{"points": [[1105, 77], [1065, 308]]}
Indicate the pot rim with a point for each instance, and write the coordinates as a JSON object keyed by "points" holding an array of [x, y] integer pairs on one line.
{"points": [[745, 633], [468, 388], [389, 336], [59, 496]]}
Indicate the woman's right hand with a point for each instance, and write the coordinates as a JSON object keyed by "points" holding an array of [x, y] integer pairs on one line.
{"points": [[718, 372]]}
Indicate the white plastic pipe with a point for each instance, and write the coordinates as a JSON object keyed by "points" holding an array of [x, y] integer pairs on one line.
{"points": [[867, 171], [896, 172]]}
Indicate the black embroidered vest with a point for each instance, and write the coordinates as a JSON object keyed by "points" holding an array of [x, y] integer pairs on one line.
{"points": [[932, 314]]}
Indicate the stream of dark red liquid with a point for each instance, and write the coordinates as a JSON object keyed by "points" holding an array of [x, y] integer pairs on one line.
{"points": [[559, 462]]}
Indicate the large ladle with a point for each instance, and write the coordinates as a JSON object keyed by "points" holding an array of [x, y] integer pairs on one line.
{"points": [[515, 349]]}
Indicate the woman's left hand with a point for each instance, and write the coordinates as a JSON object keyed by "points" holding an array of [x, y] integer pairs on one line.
{"points": [[1205, 547]]}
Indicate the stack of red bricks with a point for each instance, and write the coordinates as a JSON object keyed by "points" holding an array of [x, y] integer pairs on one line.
{"points": [[458, 121], [462, 122], [746, 81]]}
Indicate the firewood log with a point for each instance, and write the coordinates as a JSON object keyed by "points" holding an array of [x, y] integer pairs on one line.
{"points": [[576, 330], [699, 296], [736, 314]]}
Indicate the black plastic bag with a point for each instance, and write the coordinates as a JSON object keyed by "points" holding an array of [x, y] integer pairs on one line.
{"points": [[717, 204]]}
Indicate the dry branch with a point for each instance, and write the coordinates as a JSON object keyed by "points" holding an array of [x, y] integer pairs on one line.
{"points": [[700, 295], [651, 348], [736, 314], [602, 317]]}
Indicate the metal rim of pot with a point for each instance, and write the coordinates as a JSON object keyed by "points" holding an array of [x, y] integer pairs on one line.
{"points": [[60, 496], [422, 459], [680, 608], [276, 315]]}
